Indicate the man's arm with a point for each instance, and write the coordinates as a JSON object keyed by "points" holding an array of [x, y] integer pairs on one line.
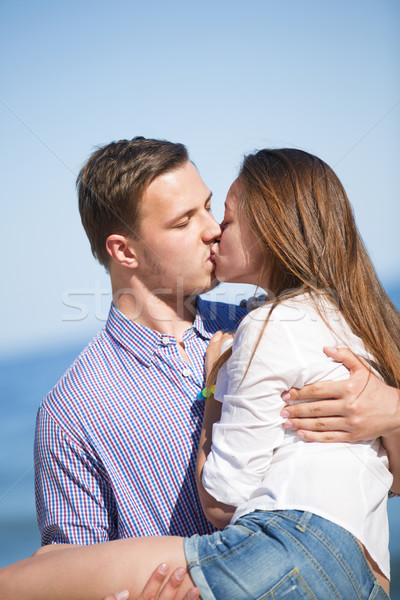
{"points": [[357, 409], [73, 500], [153, 591]]}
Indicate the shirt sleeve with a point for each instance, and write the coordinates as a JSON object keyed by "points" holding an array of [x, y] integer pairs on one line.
{"points": [[250, 427], [73, 501]]}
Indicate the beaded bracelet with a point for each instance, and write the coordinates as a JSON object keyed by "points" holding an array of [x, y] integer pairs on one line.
{"points": [[206, 393]]}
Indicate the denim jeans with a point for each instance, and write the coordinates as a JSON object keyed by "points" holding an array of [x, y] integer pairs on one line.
{"points": [[281, 555]]}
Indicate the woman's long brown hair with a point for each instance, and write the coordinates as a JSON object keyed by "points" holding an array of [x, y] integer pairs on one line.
{"points": [[298, 208]]}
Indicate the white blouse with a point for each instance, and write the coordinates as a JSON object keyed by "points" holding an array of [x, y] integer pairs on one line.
{"points": [[257, 464]]}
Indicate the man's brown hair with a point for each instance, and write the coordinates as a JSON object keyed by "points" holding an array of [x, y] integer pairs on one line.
{"points": [[111, 184]]}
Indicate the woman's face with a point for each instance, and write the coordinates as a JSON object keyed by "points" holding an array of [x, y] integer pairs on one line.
{"points": [[239, 256]]}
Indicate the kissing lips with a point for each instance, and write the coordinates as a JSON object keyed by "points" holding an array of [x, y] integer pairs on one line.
{"points": [[213, 252]]}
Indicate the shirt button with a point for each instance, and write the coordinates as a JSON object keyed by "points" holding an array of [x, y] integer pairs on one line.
{"points": [[165, 341], [186, 372]]}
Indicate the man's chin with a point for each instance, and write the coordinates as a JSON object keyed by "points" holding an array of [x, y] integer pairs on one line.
{"points": [[214, 283], [207, 288]]}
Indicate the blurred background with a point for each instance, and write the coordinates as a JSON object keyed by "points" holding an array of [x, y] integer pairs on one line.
{"points": [[223, 77]]}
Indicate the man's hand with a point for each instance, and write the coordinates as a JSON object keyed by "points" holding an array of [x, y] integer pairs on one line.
{"points": [[151, 591], [357, 409]]}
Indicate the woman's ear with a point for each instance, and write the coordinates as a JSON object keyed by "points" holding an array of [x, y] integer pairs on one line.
{"points": [[122, 250]]}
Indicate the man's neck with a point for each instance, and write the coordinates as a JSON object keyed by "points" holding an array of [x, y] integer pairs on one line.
{"points": [[169, 315]]}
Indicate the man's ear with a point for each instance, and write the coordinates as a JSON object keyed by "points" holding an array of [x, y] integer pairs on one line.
{"points": [[122, 250]]}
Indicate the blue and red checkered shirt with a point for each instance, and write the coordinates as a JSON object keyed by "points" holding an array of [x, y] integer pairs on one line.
{"points": [[116, 439]]}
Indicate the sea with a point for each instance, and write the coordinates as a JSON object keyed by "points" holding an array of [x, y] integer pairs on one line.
{"points": [[24, 381]]}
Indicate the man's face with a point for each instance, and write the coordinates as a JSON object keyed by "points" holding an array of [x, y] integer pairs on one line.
{"points": [[176, 234]]}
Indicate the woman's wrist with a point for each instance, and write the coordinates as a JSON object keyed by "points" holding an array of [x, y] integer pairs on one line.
{"points": [[206, 393]]}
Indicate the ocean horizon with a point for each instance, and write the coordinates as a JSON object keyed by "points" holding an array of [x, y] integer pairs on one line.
{"points": [[24, 381]]}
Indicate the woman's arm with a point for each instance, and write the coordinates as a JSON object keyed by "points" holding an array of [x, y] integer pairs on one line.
{"points": [[218, 513], [250, 427]]}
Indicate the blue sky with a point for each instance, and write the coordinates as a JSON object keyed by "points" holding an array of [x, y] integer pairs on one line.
{"points": [[224, 77]]}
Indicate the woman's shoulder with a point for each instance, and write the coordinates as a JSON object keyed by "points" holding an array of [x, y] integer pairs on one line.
{"points": [[294, 308], [299, 317]]}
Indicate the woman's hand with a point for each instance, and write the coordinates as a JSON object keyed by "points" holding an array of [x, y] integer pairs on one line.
{"points": [[151, 591], [214, 349]]}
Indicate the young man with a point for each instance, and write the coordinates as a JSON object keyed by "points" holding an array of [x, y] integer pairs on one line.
{"points": [[116, 439]]}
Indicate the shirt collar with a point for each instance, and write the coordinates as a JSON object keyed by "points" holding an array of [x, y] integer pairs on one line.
{"points": [[137, 339], [142, 341]]}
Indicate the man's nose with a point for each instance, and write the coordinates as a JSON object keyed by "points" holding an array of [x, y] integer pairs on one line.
{"points": [[213, 230]]}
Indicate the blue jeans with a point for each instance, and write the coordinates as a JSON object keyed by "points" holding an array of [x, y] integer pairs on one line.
{"points": [[281, 555]]}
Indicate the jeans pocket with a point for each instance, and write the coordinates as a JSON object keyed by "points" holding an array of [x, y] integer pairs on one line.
{"points": [[291, 587], [378, 593]]}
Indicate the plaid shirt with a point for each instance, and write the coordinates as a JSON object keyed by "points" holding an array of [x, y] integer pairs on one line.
{"points": [[116, 439]]}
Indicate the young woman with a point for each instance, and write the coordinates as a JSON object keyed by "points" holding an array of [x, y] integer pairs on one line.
{"points": [[307, 520]]}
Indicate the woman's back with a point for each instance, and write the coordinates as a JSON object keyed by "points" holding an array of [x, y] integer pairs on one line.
{"points": [[267, 467]]}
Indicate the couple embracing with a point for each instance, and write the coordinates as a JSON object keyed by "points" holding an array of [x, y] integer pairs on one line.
{"points": [[141, 447]]}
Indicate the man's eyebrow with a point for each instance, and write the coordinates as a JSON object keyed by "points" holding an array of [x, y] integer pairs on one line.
{"points": [[187, 213]]}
